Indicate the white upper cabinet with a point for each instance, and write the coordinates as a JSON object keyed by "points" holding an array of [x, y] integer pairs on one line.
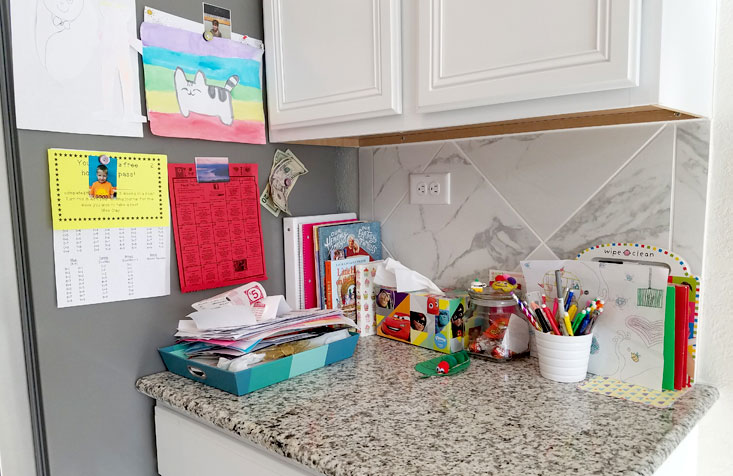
{"points": [[481, 52], [332, 60], [399, 70]]}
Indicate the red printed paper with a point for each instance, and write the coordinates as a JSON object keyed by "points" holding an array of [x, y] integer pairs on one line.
{"points": [[217, 228]]}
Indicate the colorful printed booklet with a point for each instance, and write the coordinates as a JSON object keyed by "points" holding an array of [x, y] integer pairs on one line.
{"points": [[338, 242], [341, 284]]}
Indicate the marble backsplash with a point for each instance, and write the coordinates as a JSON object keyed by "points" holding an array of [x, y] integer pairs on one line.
{"points": [[540, 196]]}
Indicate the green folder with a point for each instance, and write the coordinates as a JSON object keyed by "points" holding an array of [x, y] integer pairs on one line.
{"points": [[669, 327]]}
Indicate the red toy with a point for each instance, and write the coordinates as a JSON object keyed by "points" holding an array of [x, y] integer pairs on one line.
{"points": [[443, 367], [397, 326]]}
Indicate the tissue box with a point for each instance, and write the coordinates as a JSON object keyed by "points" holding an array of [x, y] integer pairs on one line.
{"points": [[427, 320]]}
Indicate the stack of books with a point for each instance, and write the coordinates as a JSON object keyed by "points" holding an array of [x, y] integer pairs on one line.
{"points": [[321, 255]]}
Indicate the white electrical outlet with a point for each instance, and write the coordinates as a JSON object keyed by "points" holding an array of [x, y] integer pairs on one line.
{"points": [[430, 189]]}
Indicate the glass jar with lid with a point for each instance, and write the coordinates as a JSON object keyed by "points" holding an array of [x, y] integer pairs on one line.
{"points": [[495, 328]]}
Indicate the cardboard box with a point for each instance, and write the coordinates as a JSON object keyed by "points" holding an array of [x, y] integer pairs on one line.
{"points": [[427, 320]]}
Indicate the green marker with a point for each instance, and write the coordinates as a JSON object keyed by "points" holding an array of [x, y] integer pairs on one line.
{"points": [[578, 319]]}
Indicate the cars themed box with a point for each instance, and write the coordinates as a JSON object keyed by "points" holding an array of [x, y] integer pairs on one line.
{"points": [[428, 320]]}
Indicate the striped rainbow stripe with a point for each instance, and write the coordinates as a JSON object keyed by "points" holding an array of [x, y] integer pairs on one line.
{"points": [[166, 48]]}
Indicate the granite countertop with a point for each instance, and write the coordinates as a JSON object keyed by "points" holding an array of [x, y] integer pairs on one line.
{"points": [[372, 414]]}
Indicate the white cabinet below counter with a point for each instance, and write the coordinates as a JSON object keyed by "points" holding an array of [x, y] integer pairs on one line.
{"points": [[186, 447], [374, 72]]}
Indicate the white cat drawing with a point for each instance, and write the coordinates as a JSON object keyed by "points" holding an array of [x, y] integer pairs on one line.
{"points": [[199, 97]]}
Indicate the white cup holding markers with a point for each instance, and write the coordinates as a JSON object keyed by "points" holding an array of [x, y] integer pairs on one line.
{"points": [[563, 331]]}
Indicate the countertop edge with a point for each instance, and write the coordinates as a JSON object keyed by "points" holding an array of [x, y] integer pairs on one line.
{"points": [[241, 431], [670, 441], [258, 435]]}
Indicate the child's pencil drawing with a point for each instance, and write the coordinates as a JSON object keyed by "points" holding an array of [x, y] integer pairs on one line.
{"points": [[74, 67]]}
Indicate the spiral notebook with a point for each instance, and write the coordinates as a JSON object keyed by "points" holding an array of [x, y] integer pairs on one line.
{"points": [[300, 291]]}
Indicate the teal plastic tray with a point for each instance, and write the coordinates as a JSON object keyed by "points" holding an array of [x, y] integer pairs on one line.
{"points": [[260, 376]]}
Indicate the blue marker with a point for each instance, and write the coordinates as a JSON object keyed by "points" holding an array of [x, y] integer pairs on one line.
{"points": [[583, 325], [568, 301]]}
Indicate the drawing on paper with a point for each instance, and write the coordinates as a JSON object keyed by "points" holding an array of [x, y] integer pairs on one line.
{"points": [[63, 29], [202, 89], [74, 68], [200, 97], [630, 351]]}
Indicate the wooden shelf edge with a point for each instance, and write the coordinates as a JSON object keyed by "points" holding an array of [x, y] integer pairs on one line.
{"points": [[629, 115]]}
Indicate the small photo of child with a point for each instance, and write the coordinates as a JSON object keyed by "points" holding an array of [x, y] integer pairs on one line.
{"points": [[102, 176]]}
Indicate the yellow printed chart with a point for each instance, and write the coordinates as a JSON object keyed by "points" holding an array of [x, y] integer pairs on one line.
{"points": [[111, 221], [137, 194]]}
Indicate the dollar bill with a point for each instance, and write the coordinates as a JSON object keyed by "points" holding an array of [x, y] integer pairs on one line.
{"points": [[266, 201], [283, 178], [266, 196]]}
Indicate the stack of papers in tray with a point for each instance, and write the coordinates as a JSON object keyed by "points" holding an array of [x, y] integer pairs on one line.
{"points": [[294, 325], [246, 319]]}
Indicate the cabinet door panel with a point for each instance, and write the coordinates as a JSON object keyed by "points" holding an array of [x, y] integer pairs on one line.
{"points": [[482, 52], [330, 60]]}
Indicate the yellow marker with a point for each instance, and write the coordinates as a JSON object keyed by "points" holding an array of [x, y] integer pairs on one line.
{"points": [[568, 326], [571, 312]]}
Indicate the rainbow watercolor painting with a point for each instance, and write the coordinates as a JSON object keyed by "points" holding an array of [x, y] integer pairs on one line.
{"points": [[198, 89]]}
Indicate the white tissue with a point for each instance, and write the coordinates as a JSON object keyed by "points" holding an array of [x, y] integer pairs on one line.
{"points": [[244, 362], [393, 274], [329, 337]]}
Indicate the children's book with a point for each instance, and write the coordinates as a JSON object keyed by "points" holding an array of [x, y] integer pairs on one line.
{"points": [[338, 242], [315, 279], [669, 339], [681, 319], [341, 283]]}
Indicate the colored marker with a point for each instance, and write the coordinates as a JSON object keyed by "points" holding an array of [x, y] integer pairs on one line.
{"points": [[568, 326], [560, 324], [583, 326], [568, 300], [595, 317], [578, 319], [551, 319], [540, 317]]}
